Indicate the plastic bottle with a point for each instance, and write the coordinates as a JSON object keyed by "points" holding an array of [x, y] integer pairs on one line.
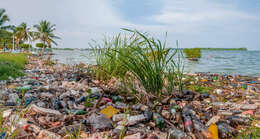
{"points": [[158, 120], [187, 124], [236, 120], [174, 133], [198, 126]]}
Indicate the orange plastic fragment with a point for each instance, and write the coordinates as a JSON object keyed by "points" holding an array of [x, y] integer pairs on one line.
{"points": [[204, 80], [213, 129]]}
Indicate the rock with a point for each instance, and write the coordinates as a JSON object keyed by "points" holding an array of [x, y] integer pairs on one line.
{"points": [[249, 107], [44, 134], [41, 110], [99, 122], [166, 114], [213, 120]]}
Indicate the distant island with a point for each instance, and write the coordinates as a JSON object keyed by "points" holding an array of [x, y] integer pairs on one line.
{"points": [[229, 49]]}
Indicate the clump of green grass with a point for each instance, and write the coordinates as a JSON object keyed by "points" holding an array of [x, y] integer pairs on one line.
{"points": [[108, 60], [192, 52], [144, 64], [11, 65]]}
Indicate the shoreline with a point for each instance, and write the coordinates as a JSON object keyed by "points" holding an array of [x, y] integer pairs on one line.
{"points": [[61, 93]]}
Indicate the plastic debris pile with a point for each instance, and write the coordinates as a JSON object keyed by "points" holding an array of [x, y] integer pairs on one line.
{"points": [[60, 101]]}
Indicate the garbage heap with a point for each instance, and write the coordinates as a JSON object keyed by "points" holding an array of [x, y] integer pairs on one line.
{"points": [[60, 101]]}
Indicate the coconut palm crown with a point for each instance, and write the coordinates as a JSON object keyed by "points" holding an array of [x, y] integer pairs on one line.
{"points": [[45, 33], [3, 20]]}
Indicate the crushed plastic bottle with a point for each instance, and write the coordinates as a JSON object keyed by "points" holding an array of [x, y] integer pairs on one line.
{"points": [[132, 120], [148, 114], [188, 123], [236, 120], [99, 122], [75, 112], [225, 130], [158, 120], [24, 88], [174, 133]]}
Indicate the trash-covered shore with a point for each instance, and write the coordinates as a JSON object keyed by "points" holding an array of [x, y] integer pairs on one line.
{"points": [[61, 101]]}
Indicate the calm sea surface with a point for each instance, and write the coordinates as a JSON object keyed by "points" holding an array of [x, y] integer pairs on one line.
{"points": [[226, 62]]}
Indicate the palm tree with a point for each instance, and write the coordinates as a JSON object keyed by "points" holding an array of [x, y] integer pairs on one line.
{"points": [[3, 20], [24, 33], [45, 33], [4, 34]]}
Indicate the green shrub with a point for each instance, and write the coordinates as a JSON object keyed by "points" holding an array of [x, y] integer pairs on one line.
{"points": [[192, 52], [25, 46], [41, 45]]}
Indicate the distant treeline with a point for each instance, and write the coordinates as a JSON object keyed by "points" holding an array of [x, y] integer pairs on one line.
{"points": [[214, 49], [230, 49], [69, 49]]}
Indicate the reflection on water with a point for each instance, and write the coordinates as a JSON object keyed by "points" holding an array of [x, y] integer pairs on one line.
{"points": [[229, 62]]}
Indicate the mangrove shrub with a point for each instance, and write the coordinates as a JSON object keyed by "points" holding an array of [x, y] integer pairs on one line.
{"points": [[192, 52]]}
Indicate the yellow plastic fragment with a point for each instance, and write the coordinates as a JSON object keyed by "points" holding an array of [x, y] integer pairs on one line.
{"points": [[213, 129], [11, 86], [204, 80], [109, 111]]}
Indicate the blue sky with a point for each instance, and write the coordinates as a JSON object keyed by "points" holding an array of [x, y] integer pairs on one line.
{"points": [[203, 23]]}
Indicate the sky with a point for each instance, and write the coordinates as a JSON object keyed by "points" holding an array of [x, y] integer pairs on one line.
{"points": [[194, 23]]}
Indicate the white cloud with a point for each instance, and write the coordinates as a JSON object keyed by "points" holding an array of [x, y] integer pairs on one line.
{"points": [[191, 14], [79, 21]]}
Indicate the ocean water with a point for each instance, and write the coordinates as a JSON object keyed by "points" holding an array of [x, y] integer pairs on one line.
{"points": [[224, 62]]}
